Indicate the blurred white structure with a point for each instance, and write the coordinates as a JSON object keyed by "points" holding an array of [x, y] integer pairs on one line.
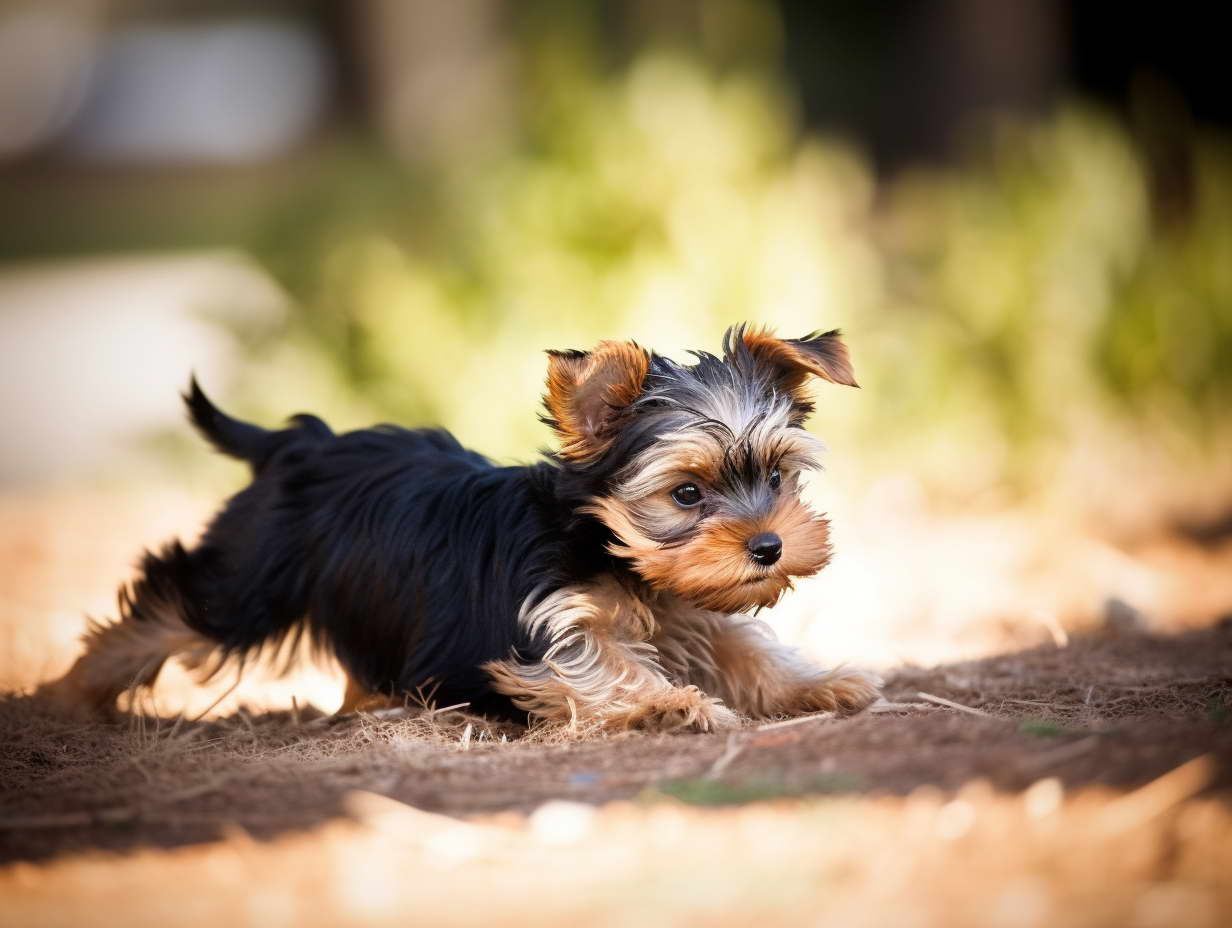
{"points": [[216, 91], [237, 91], [93, 354]]}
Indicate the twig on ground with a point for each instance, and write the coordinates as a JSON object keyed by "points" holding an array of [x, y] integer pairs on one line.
{"points": [[785, 723], [885, 706], [950, 704]]}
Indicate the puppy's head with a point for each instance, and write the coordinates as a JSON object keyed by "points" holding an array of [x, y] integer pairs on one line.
{"points": [[696, 469]]}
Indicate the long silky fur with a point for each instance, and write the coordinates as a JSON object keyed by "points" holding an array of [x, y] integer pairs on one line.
{"points": [[543, 589]]}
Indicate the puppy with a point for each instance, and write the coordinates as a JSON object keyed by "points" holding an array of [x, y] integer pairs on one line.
{"points": [[606, 585]]}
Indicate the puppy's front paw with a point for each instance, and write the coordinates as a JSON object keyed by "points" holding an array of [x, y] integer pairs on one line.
{"points": [[845, 690], [714, 716], [684, 708]]}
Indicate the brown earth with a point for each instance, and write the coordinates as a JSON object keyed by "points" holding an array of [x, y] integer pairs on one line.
{"points": [[1110, 711]]}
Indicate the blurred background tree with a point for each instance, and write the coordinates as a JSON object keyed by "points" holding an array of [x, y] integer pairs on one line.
{"points": [[1020, 212]]}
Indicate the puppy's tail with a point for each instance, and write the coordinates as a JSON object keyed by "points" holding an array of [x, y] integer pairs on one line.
{"points": [[243, 440]]}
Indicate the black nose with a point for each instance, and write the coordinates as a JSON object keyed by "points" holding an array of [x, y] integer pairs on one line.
{"points": [[765, 547]]}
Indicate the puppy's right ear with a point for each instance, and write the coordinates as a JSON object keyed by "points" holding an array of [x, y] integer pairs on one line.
{"points": [[588, 389]]}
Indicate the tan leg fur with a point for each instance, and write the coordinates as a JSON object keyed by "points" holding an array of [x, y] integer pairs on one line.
{"points": [[600, 667], [738, 659], [123, 655]]}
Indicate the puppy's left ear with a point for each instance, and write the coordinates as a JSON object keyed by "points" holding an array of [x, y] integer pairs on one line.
{"points": [[587, 390], [796, 359]]}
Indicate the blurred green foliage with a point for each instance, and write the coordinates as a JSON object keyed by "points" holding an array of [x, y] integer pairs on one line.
{"points": [[1015, 303], [1051, 302], [660, 203], [1004, 312]]}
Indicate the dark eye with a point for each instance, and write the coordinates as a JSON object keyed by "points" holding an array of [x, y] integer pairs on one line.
{"points": [[687, 495], [775, 479]]}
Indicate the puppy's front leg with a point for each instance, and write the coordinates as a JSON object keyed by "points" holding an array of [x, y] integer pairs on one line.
{"points": [[740, 660], [599, 666]]}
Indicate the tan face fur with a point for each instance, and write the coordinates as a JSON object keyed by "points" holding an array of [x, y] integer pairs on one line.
{"points": [[732, 428], [701, 553]]}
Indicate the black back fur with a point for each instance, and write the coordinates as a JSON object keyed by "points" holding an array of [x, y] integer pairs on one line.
{"points": [[398, 550]]}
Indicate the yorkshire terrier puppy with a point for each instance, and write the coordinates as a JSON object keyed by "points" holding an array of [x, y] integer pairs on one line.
{"points": [[607, 584]]}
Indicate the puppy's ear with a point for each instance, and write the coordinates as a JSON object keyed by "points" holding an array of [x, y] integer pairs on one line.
{"points": [[586, 391], [796, 359]]}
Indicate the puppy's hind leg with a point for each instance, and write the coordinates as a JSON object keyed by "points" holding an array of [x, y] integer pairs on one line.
{"points": [[130, 651]]}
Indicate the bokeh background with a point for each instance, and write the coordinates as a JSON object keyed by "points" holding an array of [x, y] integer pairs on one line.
{"points": [[1020, 213]]}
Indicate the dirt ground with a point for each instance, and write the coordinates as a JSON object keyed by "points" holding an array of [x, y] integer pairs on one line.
{"points": [[1086, 780], [1038, 732], [1103, 711]]}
